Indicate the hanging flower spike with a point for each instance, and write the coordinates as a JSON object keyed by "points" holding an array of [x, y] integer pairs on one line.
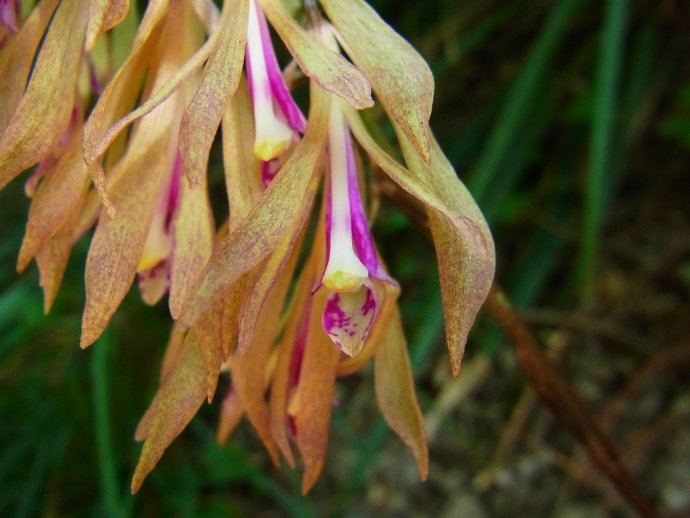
{"points": [[277, 118], [352, 305], [153, 270]]}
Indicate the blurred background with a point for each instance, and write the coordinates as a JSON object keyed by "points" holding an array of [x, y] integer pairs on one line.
{"points": [[569, 121]]}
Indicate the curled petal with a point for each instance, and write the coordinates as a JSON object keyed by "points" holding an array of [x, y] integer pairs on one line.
{"points": [[325, 67], [281, 93], [361, 235], [273, 135], [399, 75], [348, 317], [103, 16]]}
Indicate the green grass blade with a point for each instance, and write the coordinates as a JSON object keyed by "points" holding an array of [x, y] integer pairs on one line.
{"points": [[603, 122], [107, 470], [519, 100]]}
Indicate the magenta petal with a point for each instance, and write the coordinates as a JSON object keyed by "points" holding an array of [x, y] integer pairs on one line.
{"points": [[361, 235], [348, 317], [95, 86], [299, 346], [269, 170], [295, 117], [8, 14], [174, 192]]}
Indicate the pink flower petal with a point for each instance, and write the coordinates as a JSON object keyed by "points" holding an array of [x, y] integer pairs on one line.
{"points": [[8, 14], [363, 242], [282, 95]]}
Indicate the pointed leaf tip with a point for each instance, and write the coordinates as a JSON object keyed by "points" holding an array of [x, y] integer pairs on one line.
{"points": [[400, 77], [173, 406]]}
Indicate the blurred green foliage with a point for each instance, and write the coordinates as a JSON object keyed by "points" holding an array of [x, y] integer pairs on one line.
{"points": [[538, 106]]}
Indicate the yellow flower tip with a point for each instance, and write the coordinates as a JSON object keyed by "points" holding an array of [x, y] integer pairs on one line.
{"points": [[269, 149], [293, 403], [342, 282], [148, 261]]}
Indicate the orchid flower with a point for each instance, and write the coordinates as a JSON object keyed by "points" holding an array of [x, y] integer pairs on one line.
{"points": [[278, 121], [352, 263]]}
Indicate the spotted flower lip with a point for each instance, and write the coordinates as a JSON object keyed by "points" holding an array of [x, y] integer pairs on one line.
{"points": [[278, 119]]}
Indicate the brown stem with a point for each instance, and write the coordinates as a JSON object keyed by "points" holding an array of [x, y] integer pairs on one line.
{"points": [[564, 403]]}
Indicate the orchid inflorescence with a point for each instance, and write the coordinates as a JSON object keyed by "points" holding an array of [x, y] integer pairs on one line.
{"points": [[119, 120]]}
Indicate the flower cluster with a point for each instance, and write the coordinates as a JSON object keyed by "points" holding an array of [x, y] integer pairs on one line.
{"points": [[135, 167]]}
